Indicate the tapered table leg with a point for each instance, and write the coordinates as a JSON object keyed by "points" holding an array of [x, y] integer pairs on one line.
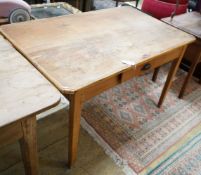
{"points": [[155, 74], [28, 144], [190, 73], [172, 72], [74, 127]]}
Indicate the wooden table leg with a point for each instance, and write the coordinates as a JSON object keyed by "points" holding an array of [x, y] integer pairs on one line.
{"points": [[190, 73], [172, 72], [155, 74], [28, 145], [74, 127]]}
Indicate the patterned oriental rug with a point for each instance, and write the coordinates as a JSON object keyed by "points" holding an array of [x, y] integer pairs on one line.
{"points": [[142, 138]]}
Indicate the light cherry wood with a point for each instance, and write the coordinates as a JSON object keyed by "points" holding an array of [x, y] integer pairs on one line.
{"points": [[173, 70], [82, 54], [74, 124], [24, 92], [80, 49]]}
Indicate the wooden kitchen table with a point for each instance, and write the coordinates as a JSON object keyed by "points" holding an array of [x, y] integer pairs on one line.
{"points": [[86, 54], [24, 92]]}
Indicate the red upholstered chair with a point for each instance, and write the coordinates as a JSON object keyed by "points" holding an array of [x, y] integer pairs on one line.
{"points": [[164, 8]]}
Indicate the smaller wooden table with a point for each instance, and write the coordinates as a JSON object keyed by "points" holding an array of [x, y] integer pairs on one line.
{"points": [[24, 92], [190, 23]]}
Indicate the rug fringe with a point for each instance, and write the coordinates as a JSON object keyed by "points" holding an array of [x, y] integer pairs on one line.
{"points": [[107, 149]]}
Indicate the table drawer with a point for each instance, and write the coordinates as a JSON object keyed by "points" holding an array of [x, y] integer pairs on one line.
{"points": [[151, 64], [155, 62]]}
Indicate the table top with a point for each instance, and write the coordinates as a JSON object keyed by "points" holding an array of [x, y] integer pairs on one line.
{"points": [[188, 22], [23, 90], [78, 50]]}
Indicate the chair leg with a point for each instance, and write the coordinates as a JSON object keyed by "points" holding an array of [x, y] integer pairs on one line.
{"points": [[137, 2], [155, 74], [191, 70], [117, 3]]}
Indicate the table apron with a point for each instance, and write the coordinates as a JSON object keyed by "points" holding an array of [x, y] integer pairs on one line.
{"points": [[109, 82], [10, 133]]}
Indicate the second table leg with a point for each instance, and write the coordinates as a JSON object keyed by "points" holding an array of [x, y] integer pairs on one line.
{"points": [[155, 74], [171, 74], [28, 145], [74, 127]]}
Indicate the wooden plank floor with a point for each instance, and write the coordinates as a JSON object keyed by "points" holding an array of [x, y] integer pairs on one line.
{"points": [[52, 141]]}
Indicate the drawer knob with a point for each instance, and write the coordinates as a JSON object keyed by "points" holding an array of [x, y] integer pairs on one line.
{"points": [[147, 66]]}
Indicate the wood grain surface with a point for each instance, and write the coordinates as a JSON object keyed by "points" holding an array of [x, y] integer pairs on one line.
{"points": [[77, 50], [23, 90], [188, 22]]}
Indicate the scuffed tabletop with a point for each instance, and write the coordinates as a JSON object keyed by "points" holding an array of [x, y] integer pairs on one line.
{"points": [[23, 90], [75, 51]]}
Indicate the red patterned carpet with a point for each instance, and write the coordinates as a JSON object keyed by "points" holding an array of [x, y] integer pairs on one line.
{"points": [[134, 132]]}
